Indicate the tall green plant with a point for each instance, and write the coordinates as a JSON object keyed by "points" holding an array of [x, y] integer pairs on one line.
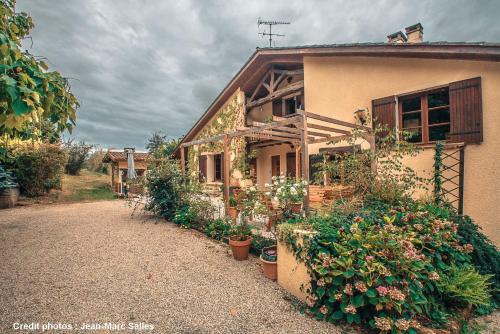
{"points": [[31, 97], [438, 171]]}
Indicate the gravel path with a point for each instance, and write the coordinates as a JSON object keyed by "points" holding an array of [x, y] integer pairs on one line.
{"points": [[94, 263]]}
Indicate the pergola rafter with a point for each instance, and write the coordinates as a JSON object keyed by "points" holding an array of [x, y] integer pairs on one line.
{"points": [[292, 130]]}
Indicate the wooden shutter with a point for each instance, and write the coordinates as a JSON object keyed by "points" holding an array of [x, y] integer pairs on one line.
{"points": [[466, 114], [203, 168], [384, 113], [222, 166]]}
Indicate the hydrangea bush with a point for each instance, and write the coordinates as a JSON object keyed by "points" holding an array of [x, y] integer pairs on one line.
{"points": [[381, 266]]}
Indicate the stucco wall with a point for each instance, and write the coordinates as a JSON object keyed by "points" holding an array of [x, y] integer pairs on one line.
{"points": [[338, 86], [264, 172]]}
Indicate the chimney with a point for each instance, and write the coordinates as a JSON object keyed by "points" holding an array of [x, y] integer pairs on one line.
{"points": [[415, 33], [397, 37]]}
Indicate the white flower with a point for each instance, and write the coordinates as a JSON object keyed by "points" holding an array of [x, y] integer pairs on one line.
{"points": [[275, 199], [252, 188], [276, 183], [279, 190], [273, 178], [304, 182], [305, 192], [268, 193], [267, 185], [293, 191]]}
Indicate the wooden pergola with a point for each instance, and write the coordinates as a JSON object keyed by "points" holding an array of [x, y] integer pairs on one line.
{"points": [[294, 130]]}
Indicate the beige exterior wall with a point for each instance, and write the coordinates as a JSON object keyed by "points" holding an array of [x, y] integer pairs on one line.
{"points": [[264, 172], [338, 86]]}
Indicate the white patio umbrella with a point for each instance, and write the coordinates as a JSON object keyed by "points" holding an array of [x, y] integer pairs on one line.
{"points": [[131, 173]]}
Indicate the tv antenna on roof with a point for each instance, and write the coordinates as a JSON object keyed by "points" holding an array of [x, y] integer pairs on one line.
{"points": [[270, 33]]}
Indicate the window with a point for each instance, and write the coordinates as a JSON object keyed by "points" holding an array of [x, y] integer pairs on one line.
{"points": [[218, 167], [426, 116]]}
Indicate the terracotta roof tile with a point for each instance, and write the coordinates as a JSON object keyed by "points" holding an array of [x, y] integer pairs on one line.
{"points": [[113, 156]]}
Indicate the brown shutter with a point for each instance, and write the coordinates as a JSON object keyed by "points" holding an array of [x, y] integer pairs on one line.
{"points": [[383, 113], [222, 166], [466, 114], [203, 168]]}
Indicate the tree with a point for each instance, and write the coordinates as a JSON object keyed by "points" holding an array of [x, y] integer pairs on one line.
{"points": [[34, 103], [77, 153], [158, 145]]}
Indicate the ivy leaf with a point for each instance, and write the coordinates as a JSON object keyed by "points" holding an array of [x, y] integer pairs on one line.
{"points": [[349, 273], [20, 107], [350, 318], [371, 293], [320, 292]]}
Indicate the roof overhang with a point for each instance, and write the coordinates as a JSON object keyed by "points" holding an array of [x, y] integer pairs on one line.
{"points": [[260, 61]]}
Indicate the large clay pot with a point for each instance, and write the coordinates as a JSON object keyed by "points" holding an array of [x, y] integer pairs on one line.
{"points": [[239, 248], [9, 197], [233, 212], [270, 268]]}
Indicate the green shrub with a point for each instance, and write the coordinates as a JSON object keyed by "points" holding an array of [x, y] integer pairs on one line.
{"points": [[77, 155], [465, 284], [38, 168], [218, 229], [185, 217], [380, 267]]}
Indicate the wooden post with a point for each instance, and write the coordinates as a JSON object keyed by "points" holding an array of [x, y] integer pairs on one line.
{"points": [[297, 162], [227, 174], [305, 158], [183, 161]]}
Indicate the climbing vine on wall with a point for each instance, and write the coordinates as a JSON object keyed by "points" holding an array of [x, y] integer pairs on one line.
{"points": [[229, 118]]}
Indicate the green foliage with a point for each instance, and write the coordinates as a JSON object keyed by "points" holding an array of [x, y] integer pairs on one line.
{"points": [[165, 185], [218, 229], [465, 284], [77, 153], [392, 182], [485, 257], [7, 181], [196, 213], [31, 97], [438, 171], [160, 146], [38, 168], [260, 242], [380, 266], [94, 162]]}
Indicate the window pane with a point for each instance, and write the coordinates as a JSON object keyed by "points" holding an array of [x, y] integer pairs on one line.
{"points": [[438, 99], [411, 120], [413, 135], [439, 132], [439, 116], [411, 104]]}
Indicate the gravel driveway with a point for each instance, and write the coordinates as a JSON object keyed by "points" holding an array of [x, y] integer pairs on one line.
{"points": [[92, 263]]}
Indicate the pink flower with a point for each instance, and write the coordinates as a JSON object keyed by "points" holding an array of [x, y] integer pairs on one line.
{"points": [[321, 282], [434, 276], [323, 309], [311, 300], [382, 290], [402, 324], [396, 294], [468, 248], [360, 286], [358, 219], [350, 309], [384, 324], [348, 289], [369, 258], [338, 296]]}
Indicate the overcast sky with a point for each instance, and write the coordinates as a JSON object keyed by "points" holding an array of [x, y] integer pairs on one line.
{"points": [[141, 65]]}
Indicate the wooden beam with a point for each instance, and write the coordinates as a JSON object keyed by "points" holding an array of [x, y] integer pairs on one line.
{"points": [[319, 134], [327, 128], [297, 162], [203, 141], [266, 136], [334, 121], [267, 126], [329, 139], [269, 143], [261, 82], [290, 72], [277, 94], [281, 134], [227, 174], [281, 128]]}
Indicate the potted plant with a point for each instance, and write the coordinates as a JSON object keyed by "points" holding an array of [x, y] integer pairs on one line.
{"points": [[289, 193], [240, 239], [9, 189], [269, 257], [233, 209]]}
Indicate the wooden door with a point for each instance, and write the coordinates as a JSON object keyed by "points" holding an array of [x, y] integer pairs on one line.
{"points": [[290, 164], [275, 165]]}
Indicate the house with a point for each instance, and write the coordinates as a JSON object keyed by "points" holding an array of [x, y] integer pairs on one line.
{"points": [[289, 104], [118, 161]]}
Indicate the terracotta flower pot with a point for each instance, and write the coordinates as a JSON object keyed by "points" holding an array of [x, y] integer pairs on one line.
{"points": [[270, 269], [296, 207], [239, 248], [233, 212]]}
